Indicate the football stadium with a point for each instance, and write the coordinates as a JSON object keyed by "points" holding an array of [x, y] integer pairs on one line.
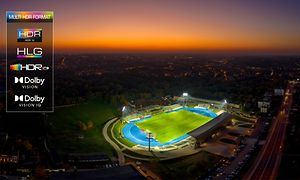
{"points": [[167, 127], [168, 131]]}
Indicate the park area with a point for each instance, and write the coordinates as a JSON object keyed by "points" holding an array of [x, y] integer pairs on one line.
{"points": [[78, 128]]}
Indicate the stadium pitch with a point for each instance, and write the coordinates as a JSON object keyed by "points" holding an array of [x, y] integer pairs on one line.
{"points": [[171, 125]]}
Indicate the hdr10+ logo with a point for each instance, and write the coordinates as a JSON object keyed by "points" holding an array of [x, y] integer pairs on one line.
{"points": [[28, 67]]}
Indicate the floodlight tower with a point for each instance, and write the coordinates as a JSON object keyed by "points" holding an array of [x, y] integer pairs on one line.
{"points": [[149, 138], [185, 96], [123, 113], [225, 103]]}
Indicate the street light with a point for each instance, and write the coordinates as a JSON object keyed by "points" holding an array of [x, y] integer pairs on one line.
{"points": [[149, 138]]}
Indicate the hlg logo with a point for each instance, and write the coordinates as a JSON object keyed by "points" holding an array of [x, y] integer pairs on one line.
{"points": [[28, 67], [29, 53]]}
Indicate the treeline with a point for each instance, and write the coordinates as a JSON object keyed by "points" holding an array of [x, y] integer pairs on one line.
{"points": [[120, 81]]}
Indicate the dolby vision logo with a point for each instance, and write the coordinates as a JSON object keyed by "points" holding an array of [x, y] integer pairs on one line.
{"points": [[28, 80], [27, 98], [19, 98], [18, 80]]}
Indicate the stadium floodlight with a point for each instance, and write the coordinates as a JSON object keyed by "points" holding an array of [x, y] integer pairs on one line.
{"points": [[123, 113], [185, 94]]}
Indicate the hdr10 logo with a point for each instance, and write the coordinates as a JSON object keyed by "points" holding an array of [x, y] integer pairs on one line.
{"points": [[29, 35]]}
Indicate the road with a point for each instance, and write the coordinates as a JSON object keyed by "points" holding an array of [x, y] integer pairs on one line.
{"points": [[121, 157], [267, 163]]}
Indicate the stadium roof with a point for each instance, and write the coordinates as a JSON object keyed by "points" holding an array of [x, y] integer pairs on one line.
{"points": [[211, 125], [123, 172]]}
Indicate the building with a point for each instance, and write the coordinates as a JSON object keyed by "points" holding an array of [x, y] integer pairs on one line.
{"points": [[90, 160], [205, 132], [122, 172]]}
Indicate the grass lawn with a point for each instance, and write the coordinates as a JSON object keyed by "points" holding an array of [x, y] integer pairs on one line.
{"points": [[65, 134], [169, 126]]}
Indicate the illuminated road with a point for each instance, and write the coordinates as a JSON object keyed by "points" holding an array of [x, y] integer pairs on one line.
{"points": [[121, 157], [267, 163]]}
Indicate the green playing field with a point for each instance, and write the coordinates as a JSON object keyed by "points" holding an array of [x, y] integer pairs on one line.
{"points": [[169, 126]]}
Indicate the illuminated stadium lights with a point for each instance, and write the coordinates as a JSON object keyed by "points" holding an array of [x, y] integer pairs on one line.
{"points": [[124, 110], [224, 104], [185, 96]]}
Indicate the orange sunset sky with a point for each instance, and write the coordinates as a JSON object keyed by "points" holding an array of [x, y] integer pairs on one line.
{"points": [[187, 26]]}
